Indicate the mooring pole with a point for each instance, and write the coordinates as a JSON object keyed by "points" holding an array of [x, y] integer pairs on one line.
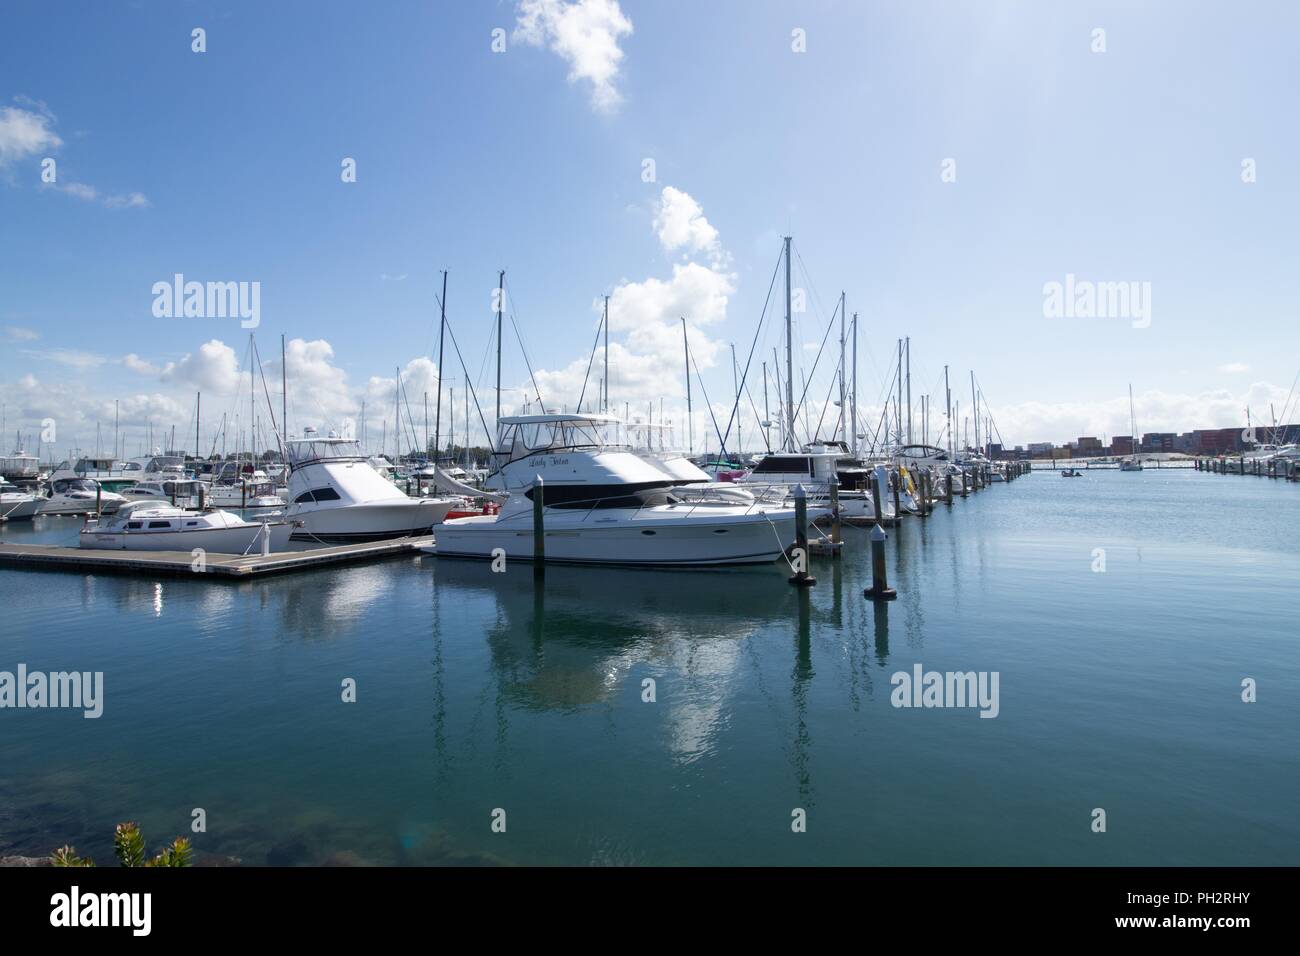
{"points": [[896, 479], [947, 489], [801, 578], [835, 510], [539, 527]]}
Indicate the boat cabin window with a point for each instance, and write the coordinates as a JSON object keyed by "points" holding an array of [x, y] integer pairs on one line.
{"points": [[160, 524], [318, 494], [784, 464], [134, 525]]}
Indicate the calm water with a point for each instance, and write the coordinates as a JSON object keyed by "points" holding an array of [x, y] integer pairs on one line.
{"points": [[477, 691]]}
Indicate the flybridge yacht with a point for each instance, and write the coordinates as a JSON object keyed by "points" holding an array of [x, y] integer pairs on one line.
{"points": [[336, 495], [816, 467], [606, 505], [20, 466]]}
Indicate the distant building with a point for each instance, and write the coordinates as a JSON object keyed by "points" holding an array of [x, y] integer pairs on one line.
{"points": [[1158, 441], [1087, 445], [1121, 445], [1216, 441]]}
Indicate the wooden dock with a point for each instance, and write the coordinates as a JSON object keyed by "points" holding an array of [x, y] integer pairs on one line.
{"points": [[215, 566]]}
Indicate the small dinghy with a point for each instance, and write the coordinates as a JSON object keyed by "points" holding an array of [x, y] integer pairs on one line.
{"points": [[151, 526]]}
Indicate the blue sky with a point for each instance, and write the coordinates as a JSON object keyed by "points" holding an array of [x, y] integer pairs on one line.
{"points": [[1115, 166]]}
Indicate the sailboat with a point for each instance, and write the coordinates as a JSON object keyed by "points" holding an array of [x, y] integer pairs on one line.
{"points": [[1131, 463]]}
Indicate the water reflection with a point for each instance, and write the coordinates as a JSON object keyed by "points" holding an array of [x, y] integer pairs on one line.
{"points": [[587, 637]]}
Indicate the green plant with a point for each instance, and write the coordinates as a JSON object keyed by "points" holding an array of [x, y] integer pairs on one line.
{"points": [[129, 848]]}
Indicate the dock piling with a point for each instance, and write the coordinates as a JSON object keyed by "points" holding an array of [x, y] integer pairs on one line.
{"points": [[801, 578], [880, 589], [539, 527]]}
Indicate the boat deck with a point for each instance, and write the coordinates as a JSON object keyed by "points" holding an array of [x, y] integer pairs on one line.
{"points": [[218, 566]]}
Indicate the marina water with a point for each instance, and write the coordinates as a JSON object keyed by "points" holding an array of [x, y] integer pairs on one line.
{"points": [[1121, 612]]}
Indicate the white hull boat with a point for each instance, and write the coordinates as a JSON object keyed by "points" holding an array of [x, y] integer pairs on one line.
{"points": [[17, 505], [673, 535], [605, 505], [337, 496], [146, 526], [71, 494]]}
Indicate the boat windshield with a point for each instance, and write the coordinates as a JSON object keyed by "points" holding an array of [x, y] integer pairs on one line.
{"points": [[64, 485], [522, 438], [323, 449]]}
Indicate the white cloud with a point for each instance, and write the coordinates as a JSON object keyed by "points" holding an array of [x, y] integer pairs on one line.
{"points": [[79, 191], [680, 224], [73, 358], [17, 333], [127, 201], [585, 34], [397, 278], [24, 134], [213, 368], [138, 365], [29, 133], [646, 357], [1234, 368]]}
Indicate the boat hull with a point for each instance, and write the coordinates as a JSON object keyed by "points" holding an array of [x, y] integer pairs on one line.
{"points": [[648, 538], [241, 540], [373, 521]]}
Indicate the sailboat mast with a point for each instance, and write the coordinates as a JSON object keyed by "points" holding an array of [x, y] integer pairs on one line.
{"points": [[843, 433], [909, 390], [284, 391], [501, 304], [789, 355], [442, 332], [735, 384], [605, 322], [854, 416], [947, 403], [767, 415], [690, 421], [975, 409]]}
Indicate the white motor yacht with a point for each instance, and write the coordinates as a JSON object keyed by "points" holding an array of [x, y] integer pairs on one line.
{"points": [[917, 458], [182, 492], [605, 505], [815, 468], [16, 504], [151, 526], [238, 484], [71, 494], [19, 466], [336, 495]]}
